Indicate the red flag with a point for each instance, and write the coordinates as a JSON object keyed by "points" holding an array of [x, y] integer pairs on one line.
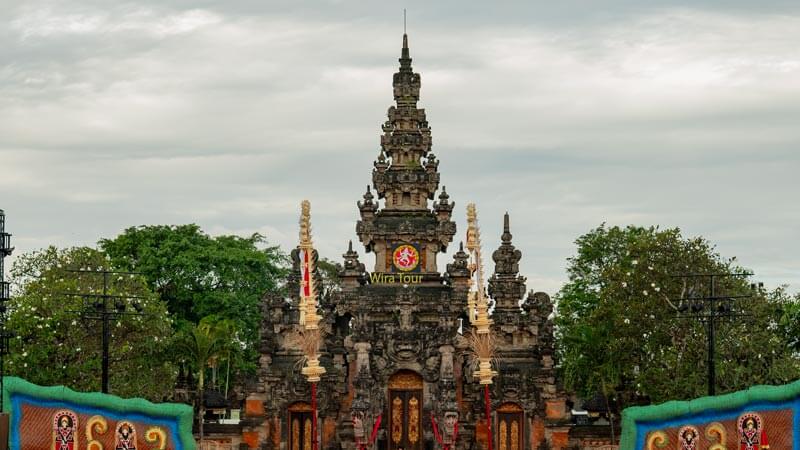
{"points": [[375, 429], [436, 430]]}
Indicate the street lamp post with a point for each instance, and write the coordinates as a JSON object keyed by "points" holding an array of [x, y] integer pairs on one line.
{"points": [[5, 296], [5, 336], [99, 310], [709, 310]]}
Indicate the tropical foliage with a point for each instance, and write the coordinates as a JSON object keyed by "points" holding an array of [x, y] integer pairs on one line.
{"points": [[202, 345], [197, 275], [58, 339], [620, 329]]}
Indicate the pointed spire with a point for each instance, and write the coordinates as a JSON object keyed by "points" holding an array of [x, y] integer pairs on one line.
{"points": [[506, 236], [506, 286], [352, 270], [405, 56], [368, 206], [444, 207], [506, 257]]}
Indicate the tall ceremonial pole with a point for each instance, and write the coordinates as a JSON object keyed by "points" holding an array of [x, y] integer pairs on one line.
{"points": [[482, 340], [309, 316]]}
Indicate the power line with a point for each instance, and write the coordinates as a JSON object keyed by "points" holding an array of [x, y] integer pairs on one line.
{"points": [[5, 296], [99, 310], [709, 310]]}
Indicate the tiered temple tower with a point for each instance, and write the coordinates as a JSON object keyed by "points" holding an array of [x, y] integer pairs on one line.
{"points": [[394, 346]]}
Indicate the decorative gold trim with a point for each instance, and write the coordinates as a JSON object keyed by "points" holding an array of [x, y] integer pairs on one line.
{"points": [[716, 431], [397, 420], [657, 439], [300, 407], [156, 435], [405, 380], [509, 408], [514, 435], [295, 434], [307, 435], [503, 435], [413, 420], [95, 424]]}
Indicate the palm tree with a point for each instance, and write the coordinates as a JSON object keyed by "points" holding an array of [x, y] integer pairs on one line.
{"points": [[201, 344]]}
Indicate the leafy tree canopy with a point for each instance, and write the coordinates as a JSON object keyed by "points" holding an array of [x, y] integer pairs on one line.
{"points": [[198, 275], [56, 343], [619, 331]]}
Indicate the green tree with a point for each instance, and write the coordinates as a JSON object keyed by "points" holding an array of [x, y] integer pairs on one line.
{"points": [[618, 327], [202, 344], [329, 271], [790, 320], [55, 344], [198, 275]]}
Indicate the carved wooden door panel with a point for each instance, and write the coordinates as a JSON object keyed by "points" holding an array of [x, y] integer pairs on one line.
{"points": [[299, 428], [509, 427], [405, 412]]}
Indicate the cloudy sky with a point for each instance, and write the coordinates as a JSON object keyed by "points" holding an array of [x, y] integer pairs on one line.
{"points": [[566, 114]]}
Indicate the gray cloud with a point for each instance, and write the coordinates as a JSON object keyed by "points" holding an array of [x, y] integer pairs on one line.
{"points": [[228, 114]]}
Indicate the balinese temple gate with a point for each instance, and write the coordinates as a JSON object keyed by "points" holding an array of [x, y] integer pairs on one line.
{"points": [[395, 357]]}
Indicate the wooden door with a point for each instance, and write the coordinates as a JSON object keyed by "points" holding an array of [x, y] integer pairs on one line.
{"points": [[405, 411], [509, 427], [300, 426]]}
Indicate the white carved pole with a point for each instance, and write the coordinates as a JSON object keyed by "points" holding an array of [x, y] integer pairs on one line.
{"points": [[482, 340], [309, 316]]}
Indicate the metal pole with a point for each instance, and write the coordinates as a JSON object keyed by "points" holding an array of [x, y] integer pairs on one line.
{"points": [[106, 336], [313, 416], [488, 415], [711, 342]]}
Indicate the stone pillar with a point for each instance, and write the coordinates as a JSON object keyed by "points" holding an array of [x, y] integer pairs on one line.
{"points": [[362, 356], [537, 432], [446, 365]]}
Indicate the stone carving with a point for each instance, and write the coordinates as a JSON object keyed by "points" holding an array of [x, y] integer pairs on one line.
{"points": [[362, 357], [447, 361]]}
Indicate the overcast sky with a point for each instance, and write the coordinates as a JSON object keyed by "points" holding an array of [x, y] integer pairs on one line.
{"points": [[565, 114]]}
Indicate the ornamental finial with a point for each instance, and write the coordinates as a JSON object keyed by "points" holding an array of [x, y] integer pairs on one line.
{"points": [[305, 225], [473, 238], [477, 303], [308, 295]]}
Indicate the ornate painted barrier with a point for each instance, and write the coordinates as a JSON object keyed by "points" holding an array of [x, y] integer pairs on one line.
{"points": [[758, 418], [58, 418]]}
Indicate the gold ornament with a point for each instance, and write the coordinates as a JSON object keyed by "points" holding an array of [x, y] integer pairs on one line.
{"points": [[397, 420], [413, 420], [657, 439], [716, 431], [96, 424], [156, 435]]}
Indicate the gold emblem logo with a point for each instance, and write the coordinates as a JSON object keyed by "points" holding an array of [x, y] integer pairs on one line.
{"points": [[405, 258]]}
